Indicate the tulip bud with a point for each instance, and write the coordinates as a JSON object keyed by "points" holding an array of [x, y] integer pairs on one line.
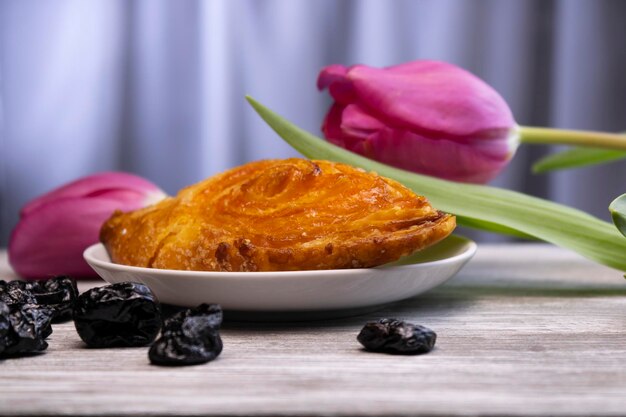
{"points": [[423, 116], [55, 228]]}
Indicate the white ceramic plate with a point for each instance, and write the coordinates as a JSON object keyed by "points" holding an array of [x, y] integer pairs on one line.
{"points": [[337, 292]]}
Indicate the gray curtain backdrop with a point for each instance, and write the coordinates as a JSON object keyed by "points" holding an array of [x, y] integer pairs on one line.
{"points": [[157, 87]]}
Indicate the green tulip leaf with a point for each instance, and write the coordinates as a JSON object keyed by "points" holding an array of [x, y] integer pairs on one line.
{"points": [[478, 206], [618, 213], [577, 157]]}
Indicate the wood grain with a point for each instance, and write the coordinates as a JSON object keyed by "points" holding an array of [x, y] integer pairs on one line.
{"points": [[523, 330]]}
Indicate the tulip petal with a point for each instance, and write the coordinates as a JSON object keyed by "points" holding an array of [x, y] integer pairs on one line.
{"points": [[334, 131], [50, 239], [97, 183], [471, 160], [441, 157], [419, 66], [340, 88], [466, 162], [357, 122], [458, 126], [432, 98], [332, 122], [331, 74]]}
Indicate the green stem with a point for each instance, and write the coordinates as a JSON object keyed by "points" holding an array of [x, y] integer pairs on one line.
{"points": [[572, 137]]}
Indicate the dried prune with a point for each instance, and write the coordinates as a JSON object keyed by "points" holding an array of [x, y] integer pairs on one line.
{"points": [[58, 293], [14, 293], [28, 323], [5, 326], [29, 326], [189, 337], [123, 314], [396, 336]]}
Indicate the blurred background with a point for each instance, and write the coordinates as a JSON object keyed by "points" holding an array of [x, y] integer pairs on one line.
{"points": [[157, 87]]}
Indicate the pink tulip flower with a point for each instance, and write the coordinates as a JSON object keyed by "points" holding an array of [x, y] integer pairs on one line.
{"points": [[427, 117], [55, 228]]}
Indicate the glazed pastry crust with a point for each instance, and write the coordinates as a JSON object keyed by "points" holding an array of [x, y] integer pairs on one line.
{"points": [[278, 215]]}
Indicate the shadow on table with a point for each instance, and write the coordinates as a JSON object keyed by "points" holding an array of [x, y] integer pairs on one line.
{"points": [[449, 300], [424, 305]]}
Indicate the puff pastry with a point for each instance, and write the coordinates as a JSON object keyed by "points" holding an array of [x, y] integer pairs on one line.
{"points": [[277, 215]]}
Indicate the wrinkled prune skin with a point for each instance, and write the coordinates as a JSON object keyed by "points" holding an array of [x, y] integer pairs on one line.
{"points": [[29, 326], [189, 337], [396, 336], [14, 293], [124, 314], [58, 293], [5, 326]]}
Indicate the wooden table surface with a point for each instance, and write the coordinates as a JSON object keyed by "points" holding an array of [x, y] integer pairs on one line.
{"points": [[523, 330]]}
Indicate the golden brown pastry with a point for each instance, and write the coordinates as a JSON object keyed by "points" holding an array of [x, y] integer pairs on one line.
{"points": [[278, 215]]}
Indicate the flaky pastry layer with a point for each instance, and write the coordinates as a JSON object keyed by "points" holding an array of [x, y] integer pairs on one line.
{"points": [[278, 215]]}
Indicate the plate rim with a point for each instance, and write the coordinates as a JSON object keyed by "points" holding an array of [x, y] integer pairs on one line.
{"points": [[88, 255]]}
